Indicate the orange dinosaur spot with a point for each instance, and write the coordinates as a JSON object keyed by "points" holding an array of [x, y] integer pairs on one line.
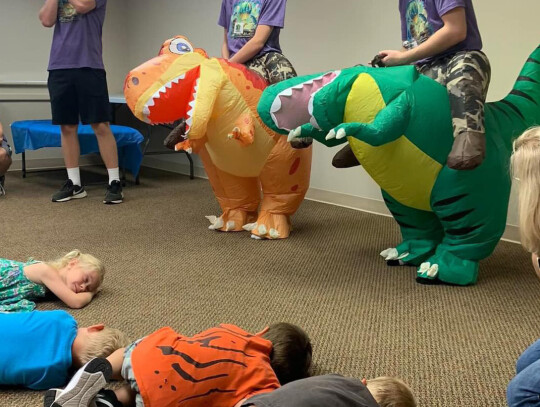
{"points": [[294, 188], [294, 166]]}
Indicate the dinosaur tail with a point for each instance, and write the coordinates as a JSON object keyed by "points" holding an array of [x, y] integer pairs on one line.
{"points": [[522, 105]]}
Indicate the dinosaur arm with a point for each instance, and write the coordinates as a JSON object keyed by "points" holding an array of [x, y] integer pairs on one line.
{"points": [[389, 124], [244, 129], [307, 130]]}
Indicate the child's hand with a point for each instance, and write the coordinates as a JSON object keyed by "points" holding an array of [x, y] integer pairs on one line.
{"points": [[394, 58]]}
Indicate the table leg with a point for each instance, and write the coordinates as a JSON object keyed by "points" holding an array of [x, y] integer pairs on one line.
{"points": [[23, 164]]}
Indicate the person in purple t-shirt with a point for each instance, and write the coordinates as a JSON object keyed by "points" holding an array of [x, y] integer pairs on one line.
{"points": [[442, 38], [251, 38], [78, 89]]}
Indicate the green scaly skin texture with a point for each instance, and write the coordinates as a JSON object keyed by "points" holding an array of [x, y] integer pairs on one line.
{"points": [[468, 209]]}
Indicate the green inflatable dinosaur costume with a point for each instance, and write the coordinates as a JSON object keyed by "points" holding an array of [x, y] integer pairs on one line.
{"points": [[398, 124]]}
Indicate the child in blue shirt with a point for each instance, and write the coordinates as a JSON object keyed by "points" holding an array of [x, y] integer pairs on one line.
{"points": [[39, 348]]}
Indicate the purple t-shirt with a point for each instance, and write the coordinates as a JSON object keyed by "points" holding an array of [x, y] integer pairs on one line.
{"points": [[77, 37], [421, 18], [241, 18]]}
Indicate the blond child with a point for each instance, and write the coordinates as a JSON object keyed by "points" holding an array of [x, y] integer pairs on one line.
{"points": [[336, 391], [74, 278], [39, 348], [525, 165], [217, 367]]}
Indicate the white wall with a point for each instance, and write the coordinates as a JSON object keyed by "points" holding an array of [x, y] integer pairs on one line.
{"points": [[319, 35]]}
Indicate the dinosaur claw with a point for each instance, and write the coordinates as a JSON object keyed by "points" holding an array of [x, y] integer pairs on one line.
{"points": [[249, 226], [341, 134], [262, 230], [291, 136], [274, 234], [331, 134], [218, 224], [230, 225]]}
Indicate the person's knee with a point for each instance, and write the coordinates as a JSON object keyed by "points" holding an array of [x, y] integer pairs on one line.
{"points": [[102, 129], [4, 156]]}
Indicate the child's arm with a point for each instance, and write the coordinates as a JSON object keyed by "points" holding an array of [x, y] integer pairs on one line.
{"points": [[451, 33], [225, 46], [48, 13], [254, 45], [52, 281]]}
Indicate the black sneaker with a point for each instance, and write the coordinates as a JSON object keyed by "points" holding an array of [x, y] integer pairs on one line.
{"points": [[114, 193], [2, 181], [107, 398], [69, 192]]}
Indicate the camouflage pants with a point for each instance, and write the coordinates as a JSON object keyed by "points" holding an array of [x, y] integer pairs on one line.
{"points": [[466, 76], [273, 67]]}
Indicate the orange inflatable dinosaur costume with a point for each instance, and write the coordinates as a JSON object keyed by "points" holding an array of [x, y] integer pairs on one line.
{"points": [[217, 101]]}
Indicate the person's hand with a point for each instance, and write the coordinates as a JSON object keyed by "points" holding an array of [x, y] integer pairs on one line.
{"points": [[394, 58]]}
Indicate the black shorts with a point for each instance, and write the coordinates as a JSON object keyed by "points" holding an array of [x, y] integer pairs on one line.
{"points": [[79, 94]]}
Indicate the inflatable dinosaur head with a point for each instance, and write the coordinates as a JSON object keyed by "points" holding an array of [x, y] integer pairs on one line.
{"points": [[164, 89], [323, 101]]}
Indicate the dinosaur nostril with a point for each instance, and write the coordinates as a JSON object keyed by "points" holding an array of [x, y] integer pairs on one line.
{"points": [[135, 80]]}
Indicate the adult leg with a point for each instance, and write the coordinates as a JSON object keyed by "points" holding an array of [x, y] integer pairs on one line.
{"points": [[5, 161], [95, 109], [65, 112], [466, 76]]}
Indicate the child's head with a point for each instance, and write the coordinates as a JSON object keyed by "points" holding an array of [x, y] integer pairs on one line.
{"points": [[390, 392], [525, 164], [96, 341], [81, 272], [291, 351]]}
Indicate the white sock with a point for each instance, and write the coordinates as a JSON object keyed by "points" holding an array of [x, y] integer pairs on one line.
{"points": [[114, 174], [74, 175]]}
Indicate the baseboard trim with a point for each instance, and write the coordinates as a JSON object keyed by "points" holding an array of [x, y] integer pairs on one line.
{"points": [[511, 233], [52, 163]]}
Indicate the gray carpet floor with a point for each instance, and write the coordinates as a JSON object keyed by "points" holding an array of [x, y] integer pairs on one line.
{"points": [[455, 346]]}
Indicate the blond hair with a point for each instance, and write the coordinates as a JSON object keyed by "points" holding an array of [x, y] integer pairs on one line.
{"points": [[391, 392], [525, 166], [102, 343], [86, 261]]}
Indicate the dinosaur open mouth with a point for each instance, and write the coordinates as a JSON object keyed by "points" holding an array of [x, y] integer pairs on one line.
{"points": [[174, 100], [293, 106]]}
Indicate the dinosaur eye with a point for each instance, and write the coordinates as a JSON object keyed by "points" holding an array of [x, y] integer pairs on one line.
{"points": [[180, 46]]}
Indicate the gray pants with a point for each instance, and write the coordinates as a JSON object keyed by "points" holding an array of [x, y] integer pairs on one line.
{"points": [[466, 76]]}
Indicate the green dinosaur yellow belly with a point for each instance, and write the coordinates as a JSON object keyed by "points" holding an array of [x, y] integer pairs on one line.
{"points": [[400, 168]]}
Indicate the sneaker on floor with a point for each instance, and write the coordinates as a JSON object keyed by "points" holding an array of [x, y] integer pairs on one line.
{"points": [[114, 193], [107, 398], [69, 192], [85, 384], [52, 394]]}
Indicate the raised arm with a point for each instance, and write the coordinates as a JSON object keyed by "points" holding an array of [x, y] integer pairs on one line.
{"points": [[254, 45], [451, 33], [83, 6], [49, 13]]}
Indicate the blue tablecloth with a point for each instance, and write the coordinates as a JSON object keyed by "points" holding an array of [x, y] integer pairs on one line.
{"points": [[34, 134]]}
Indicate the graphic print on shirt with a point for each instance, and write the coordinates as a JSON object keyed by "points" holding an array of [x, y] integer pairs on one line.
{"points": [[244, 18], [66, 12], [418, 27]]}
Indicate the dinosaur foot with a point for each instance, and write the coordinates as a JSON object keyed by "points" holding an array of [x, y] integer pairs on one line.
{"points": [[231, 220], [394, 258], [446, 268], [270, 226]]}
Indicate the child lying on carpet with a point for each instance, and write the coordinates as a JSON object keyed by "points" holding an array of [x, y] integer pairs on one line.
{"points": [[38, 348], [74, 278], [525, 164], [336, 391], [217, 367]]}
